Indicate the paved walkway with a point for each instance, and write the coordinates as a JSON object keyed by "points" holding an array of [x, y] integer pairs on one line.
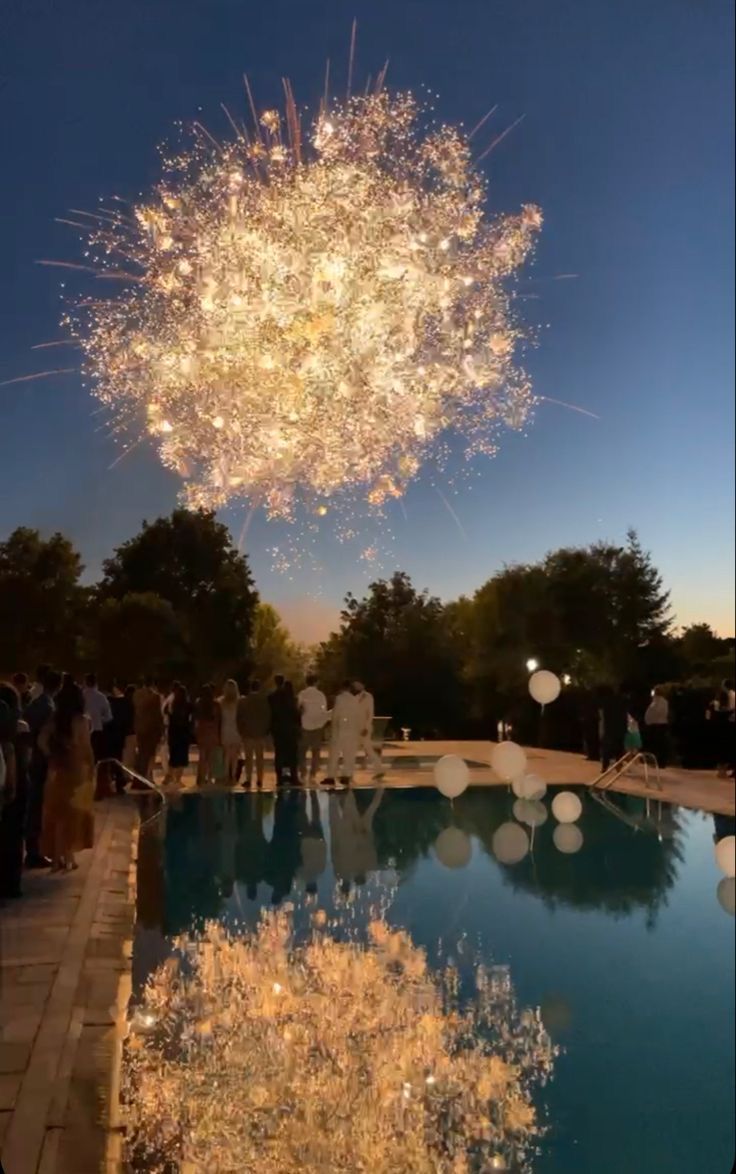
{"points": [[64, 983]]}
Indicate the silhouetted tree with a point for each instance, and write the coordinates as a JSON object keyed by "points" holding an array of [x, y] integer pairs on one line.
{"points": [[137, 635], [41, 601], [396, 641], [188, 559]]}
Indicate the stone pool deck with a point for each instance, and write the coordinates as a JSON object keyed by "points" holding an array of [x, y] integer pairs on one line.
{"points": [[409, 764], [65, 953]]}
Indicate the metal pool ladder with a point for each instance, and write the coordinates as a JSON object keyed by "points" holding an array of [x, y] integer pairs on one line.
{"points": [[138, 779], [610, 776]]}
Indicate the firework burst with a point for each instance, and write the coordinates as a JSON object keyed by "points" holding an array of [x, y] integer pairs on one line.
{"points": [[307, 313]]}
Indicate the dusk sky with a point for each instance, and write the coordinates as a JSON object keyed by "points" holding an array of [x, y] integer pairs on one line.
{"points": [[627, 145]]}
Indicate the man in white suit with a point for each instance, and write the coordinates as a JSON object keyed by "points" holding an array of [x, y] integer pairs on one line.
{"points": [[366, 709], [345, 736]]}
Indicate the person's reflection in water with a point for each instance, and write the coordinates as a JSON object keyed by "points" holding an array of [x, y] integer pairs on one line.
{"points": [[313, 846], [284, 855], [251, 845], [352, 839], [227, 834]]}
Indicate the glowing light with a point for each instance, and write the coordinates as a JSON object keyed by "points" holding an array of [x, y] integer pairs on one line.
{"points": [[532, 664], [335, 293], [243, 1072]]}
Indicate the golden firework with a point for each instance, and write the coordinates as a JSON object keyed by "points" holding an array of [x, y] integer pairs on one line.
{"points": [[304, 313]]}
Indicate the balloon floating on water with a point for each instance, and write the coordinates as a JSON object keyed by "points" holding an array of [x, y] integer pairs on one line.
{"points": [[508, 761], [531, 812], [529, 787], [566, 807], [451, 775]]}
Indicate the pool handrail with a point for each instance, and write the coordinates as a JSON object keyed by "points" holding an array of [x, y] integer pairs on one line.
{"points": [[616, 771], [133, 774]]}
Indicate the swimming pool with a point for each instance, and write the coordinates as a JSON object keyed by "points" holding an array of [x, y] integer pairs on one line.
{"points": [[619, 935]]}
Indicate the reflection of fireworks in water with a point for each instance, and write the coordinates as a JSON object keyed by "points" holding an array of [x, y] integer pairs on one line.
{"points": [[306, 312], [259, 1054]]}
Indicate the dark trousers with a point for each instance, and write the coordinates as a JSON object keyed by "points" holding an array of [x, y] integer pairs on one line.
{"points": [[12, 827], [286, 755], [611, 750], [37, 772], [657, 742]]}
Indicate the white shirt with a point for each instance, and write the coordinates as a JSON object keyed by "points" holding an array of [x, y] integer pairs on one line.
{"points": [[366, 708], [97, 708], [346, 715], [313, 708], [658, 712]]}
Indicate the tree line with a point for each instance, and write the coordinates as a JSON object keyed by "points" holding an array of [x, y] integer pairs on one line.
{"points": [[178, 600]]}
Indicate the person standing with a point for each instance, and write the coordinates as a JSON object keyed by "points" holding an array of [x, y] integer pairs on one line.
{"points": [[613, 725], [130, 744], [207, 734], [68, 820], [37, 686], [345, 736], [313, 713], [285, 729], [148, 726], [657, 727], [254, 721], [179, 732], [722, 713], [97, 708], [22, 687], [13, 798], [119, 730], [38, 713], [366, 709], [229, 733]]}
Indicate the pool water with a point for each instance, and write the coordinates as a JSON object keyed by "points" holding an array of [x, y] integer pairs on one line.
{"points": [[624, 943]]}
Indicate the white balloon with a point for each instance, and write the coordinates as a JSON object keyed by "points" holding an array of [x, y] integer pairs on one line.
{"points": [[451, 775], [534, 787], [453, 848], [726, 894], [567, 838], [544, 687], [518, 786], [508, 761], [510, 843], [566, 807], [726, 855], [530, 811]]}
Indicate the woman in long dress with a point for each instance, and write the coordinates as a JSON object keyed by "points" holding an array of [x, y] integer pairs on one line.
{"points": [[229, 733], [179, 732], [207, 732], [68, 820]]}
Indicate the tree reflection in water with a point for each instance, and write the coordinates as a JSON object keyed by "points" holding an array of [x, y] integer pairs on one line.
{"points": [[273, 847]]}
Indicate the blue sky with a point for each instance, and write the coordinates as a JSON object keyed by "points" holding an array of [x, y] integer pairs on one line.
{"points": [[626, 144]]}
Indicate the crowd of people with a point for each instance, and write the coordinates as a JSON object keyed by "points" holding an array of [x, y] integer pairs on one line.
{"points": [[63, 744], [617, 726]]}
